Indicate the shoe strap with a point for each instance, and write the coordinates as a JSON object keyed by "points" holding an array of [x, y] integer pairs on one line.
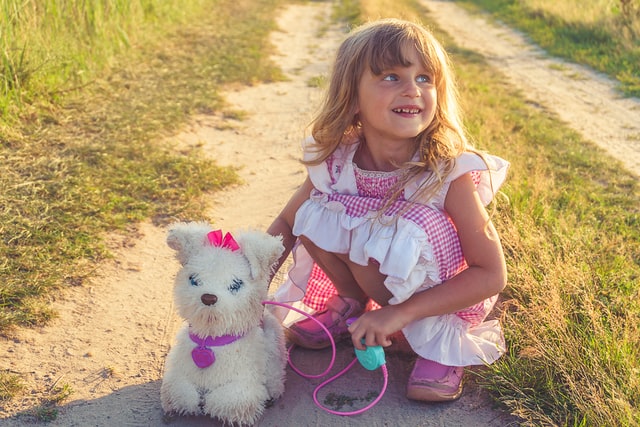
{"points": [[343, 307]]}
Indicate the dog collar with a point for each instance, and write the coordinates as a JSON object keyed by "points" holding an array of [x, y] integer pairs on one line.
{"points": [[202, 355]]}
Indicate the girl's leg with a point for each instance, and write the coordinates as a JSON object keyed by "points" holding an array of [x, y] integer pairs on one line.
{"points": [[350, 280], [355, 285]]}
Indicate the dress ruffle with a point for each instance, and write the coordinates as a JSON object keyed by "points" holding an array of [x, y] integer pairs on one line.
{"points": [[416, 246], [412, 259], [449, 340]]}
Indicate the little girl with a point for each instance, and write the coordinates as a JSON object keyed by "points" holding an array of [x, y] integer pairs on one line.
{"points": [[390, 225]]}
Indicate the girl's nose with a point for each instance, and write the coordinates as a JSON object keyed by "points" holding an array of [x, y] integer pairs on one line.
{"points": [[411, 89]]}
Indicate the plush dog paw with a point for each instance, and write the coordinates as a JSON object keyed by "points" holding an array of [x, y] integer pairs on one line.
{"points": [[237, 412], [269, 403], [184, 401]]}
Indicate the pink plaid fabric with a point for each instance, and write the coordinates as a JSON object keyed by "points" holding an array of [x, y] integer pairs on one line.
{"points": [[477, 313], [440, 230], [319, 289], [375, 184]]}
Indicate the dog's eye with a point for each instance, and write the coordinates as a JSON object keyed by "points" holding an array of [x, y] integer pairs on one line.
{"points": [[193, 280], [235, 285]]}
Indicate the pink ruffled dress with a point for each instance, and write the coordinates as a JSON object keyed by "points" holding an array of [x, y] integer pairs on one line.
{"points": [[415, 245]]}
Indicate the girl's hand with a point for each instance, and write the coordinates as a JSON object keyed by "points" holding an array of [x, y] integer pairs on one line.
{"points": [[376, 327]]}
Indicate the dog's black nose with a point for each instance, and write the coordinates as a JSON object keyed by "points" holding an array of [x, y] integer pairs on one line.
{"points": [[209, 299]]}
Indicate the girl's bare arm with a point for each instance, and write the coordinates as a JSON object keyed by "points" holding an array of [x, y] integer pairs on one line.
{"points": [[486, 275], [283, 224]]}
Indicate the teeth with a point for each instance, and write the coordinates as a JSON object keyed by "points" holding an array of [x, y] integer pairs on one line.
{"points": [[406, 111]]}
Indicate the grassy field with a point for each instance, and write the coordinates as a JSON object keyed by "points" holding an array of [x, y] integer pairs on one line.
{"points": [[81, 132], [603, 34], [82, 155], [84, 122], [571, 231]]}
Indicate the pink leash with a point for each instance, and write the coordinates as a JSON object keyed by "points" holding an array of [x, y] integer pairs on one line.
{"points": [[366, 362]]}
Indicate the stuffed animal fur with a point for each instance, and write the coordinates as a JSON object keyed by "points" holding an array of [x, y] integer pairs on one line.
{"points": [[229, 359]]}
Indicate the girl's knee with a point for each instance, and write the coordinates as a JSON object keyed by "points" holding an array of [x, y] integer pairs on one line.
{"points": [[350, 279]]}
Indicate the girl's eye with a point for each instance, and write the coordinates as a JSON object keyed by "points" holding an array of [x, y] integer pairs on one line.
{"points": [[193, 280], [423, 79], [235, 286], [390, 78]]}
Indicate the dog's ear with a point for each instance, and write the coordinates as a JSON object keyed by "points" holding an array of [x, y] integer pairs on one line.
{"points": [[262, 250], [186, 238]]}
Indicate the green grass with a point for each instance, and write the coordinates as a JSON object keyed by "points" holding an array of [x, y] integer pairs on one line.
{"points": [[571, 233], [10, 385], [94, 160], [571, 236], [602, 34], [83, 157]]}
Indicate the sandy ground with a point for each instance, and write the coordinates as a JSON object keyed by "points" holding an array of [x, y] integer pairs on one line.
{"points": [[111, 337], [587, 101]]}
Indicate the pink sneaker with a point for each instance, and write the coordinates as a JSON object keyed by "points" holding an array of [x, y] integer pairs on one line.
{"points": [[432, 382], [308, 334]]}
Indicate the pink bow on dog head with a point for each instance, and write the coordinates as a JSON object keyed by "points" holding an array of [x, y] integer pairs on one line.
{"points": [[215, 239]]}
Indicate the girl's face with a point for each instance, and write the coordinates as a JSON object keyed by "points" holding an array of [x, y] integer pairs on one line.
{"points": [[398, 104]]}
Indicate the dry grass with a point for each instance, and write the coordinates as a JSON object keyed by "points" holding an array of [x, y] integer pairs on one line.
{"points": [[95, 160], [604, 35]]}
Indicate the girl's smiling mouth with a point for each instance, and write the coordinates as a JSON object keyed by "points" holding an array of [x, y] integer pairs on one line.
{"points": [[407, 110]]}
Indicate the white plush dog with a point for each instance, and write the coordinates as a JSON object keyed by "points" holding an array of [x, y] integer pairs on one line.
{"points": [[229, 361]]}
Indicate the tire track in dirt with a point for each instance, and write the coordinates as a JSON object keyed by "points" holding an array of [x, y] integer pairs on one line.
{"points": [[586, 101]]}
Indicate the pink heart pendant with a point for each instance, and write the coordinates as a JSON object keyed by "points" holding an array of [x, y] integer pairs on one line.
{"points": [[203, 357]]}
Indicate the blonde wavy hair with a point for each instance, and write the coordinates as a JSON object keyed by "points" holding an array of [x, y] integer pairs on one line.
{"points": [[381, 45]]}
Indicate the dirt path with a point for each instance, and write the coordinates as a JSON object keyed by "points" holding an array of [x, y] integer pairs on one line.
{"points": [[587, 101], [111, 338]]}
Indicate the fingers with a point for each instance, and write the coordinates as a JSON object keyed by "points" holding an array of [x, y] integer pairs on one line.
{"points": [[357, 335], [363, 336]]}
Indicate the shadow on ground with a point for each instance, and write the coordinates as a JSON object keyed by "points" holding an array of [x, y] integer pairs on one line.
{"points": [[139, 405]]}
